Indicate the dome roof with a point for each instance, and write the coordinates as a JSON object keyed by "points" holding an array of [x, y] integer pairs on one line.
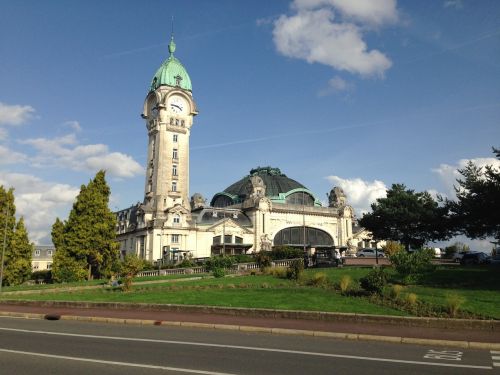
{"points": [[171, 72], [278, 187]]}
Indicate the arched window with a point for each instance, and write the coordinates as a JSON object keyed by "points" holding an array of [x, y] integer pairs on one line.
{"points": [[300, 198], [294, 236]]}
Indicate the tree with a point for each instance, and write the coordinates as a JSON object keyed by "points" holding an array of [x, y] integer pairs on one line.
{"points": [[18, 249], [88, 241], [407, 217], [130, 267], [476, 212]]}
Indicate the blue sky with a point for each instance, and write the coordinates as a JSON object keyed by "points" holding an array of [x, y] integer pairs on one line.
{"points": [[360, 94]]}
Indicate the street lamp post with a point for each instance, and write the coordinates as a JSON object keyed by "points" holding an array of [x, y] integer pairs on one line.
{"points": [[376, 252]]}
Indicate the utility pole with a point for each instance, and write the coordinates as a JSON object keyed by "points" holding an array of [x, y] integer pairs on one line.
{"points": [[4, 243]]}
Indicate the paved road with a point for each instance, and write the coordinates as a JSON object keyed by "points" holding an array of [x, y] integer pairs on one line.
{"points": [[70, 347]]}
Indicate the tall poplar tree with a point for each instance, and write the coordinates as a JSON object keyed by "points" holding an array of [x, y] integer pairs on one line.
{"points": [[88, 244], [18, 250]]}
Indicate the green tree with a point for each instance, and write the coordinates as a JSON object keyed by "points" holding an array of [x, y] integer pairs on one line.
{"points": [[476, 212], [18, 265], [18, 249], [88, 241], [130, 267], [407, 217]]}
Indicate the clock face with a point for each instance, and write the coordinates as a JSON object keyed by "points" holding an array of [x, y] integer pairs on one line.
{"points": [[177, 105]]}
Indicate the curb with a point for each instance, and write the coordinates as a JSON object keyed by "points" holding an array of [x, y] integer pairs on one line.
{"points": [[406, 321], [273, 331]]}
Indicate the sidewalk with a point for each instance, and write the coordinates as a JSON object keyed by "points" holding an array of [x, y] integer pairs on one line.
{"points": [[389, 331]]}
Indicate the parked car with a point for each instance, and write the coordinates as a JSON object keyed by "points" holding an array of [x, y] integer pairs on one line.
{"points": [[326, 258], [475, 258], [456, 257], [370, 253]]}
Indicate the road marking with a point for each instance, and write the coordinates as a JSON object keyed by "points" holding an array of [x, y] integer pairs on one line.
{"points": [[495, 357], [448, 355], [128, 364], [345, 356]]}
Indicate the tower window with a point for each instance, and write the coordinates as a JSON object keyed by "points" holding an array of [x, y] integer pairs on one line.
{"points": [[171, 120], [174, 153], [174, 186], [178, 80], [177, 121], [174, 170], [175, 138], [177, 219]]}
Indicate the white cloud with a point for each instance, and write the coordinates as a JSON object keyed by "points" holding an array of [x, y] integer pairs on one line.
{"points": [[8, 156], [39, 202], [457, 4], [449, 173], [336, 85], [15, 114], [314, 34], [74, 125], [366, 11], [360, 194], [65, 152]]}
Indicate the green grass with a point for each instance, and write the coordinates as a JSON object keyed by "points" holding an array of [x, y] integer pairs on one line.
{"points": [[479, 286]]}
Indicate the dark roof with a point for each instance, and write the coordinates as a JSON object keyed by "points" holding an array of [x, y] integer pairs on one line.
{"points": [[276, 182]]}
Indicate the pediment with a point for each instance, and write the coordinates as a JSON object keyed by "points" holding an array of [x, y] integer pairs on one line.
{"points": [[177, 209], [227, 224]]}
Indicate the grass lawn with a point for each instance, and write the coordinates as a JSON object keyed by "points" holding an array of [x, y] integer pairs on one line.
{"points": [[479, 286]]}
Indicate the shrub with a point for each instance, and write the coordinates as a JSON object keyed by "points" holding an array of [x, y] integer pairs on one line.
{"points": [[186, 263], [319, 279], [218, 272], [453, 303], [243, 258], [411, 299], [219, 262], [285, 252], [345, 283], [263, 259], [44, 275], [130, 267], [396, 291], [295, 270], [392, 247], [375, 281], [412, 266], [279, 272]]}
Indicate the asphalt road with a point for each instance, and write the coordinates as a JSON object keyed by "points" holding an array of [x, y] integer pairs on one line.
{"points": [[71, 347]]}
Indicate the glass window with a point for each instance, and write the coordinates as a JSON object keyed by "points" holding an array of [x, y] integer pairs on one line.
{"points": [[174, 153], [175, 238], [177, 219], [228, 239], [238, 239], [174, 170], [216, 240], [49, 253], [37, 252], [174, 186], [49, 266], [175, 138]]}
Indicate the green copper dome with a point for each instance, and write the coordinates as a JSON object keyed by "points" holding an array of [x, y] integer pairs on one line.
{"points": [[171, 72], [279, 188]]}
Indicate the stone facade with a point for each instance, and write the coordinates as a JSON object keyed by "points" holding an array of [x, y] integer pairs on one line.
{"points": [[262, 210]]}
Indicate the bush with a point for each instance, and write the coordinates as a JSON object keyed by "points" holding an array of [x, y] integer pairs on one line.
{"points": [[392, 247], [219, 262], [218, 272], [44, 275], [279, 272], [319, 279], [345, 283], [375, 281], [295, 270], [411, 299], [263, 259], [453, 303], [285, 252], [186, 263], [129, 267], [243, 258], [396, 291], [412, 266]]}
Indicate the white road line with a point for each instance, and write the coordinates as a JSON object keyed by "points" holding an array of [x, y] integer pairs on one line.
{"points": [[495, 357], [495, 351], [128, 364], [496, 364], [248, 348]]}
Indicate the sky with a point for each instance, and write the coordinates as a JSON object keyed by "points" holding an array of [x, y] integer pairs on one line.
{"points": [[358, 94]]}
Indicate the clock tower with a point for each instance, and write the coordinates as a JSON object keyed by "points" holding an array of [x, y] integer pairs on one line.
{"points": [[168, 111]]}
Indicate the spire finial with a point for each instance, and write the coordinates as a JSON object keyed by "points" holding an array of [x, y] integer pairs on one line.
{"points": [[171, 45]]}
